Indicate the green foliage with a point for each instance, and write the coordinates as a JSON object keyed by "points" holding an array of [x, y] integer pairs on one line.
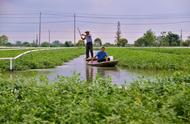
{"points": [[45, 44], [73, 101], [186, 42], [80, 43], [163, 59], [175, 51], [41, 59], [169, 39], [98, 42], [3, 40], [122, 42], [56, 43], [11, 53], [26, 44], [148, 39], [68, 44]]}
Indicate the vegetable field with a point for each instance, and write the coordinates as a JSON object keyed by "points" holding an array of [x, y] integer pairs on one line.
{"points": [[70, 100], [164, 100], [11, 53], [39, 59], [153, 58]]}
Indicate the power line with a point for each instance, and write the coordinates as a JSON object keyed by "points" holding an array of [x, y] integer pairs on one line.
{"points": [[94, 22]]}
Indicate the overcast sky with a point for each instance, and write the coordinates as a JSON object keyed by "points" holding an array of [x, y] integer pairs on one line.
{"points": [[19, 18]]}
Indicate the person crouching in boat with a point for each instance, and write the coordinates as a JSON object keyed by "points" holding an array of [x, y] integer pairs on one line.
{"points": [[102, 55], [89, 45]]}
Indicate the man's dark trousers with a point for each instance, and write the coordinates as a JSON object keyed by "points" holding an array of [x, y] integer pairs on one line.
{"points": [[89, 48]]}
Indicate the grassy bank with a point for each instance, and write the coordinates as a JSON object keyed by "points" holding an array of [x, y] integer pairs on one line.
{"points": [[43, 59], [73, 101], [162, 59]]}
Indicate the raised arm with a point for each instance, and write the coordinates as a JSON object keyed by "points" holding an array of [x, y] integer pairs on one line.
{"points": [[83, 36]]}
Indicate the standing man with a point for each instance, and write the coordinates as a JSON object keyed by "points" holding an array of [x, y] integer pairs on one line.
{"points": [[89, 45]]}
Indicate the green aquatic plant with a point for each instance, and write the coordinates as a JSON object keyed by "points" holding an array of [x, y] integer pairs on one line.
{"points": [[71, 100], [146, 58]]}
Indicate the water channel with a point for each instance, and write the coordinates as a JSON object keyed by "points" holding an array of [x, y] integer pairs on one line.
{"points": [[78, 66]]}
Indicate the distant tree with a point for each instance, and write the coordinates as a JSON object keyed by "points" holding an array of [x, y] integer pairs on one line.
{"points": [[3, 40], [149, 39], [98, 42], [140, 42], [33, 44], [163, 39], [118, 33], [8, 44], [45, 44], [80, 43], [18, 43], [68, 44], [56, 43], [108, 44], [122, 42], [186, 42], [26, 44], [173, 39]]}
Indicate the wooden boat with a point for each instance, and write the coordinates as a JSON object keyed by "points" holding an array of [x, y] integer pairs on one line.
{"points": [[103, 64]]}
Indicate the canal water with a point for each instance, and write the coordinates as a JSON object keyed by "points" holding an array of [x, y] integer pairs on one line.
{"points": [[78, 66]]}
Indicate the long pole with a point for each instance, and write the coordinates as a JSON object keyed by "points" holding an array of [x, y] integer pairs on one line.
{"points": [[74, 28], [40, 21]]}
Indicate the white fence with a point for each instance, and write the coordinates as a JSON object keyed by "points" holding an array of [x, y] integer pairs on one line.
{"points": [[14, 58], [24, 53]]}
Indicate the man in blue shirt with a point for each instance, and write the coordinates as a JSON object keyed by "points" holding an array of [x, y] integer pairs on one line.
{"points": [[89, 45], [102, 55]]}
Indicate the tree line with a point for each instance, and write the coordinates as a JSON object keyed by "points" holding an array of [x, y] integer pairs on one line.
{"points": [[149, 39], [166, 39]]}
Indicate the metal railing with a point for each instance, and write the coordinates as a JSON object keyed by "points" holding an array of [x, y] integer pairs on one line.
{"points": [[24, 53], [14, 58]]}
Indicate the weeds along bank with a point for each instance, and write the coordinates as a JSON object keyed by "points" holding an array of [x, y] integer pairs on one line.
{"points": [[43, 59], [152, 58], [71, 100]]}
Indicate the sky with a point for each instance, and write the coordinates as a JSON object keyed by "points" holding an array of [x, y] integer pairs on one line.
{"points": [[19, 19]]}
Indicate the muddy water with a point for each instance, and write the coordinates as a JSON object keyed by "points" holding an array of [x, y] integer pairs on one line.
{"points": [[78, 66]]}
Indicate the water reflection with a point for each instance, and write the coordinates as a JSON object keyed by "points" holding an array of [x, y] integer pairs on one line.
{"points": [[92, 72]]}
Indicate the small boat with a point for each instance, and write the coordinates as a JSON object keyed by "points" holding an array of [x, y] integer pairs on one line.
{"points": [[103, 64]]}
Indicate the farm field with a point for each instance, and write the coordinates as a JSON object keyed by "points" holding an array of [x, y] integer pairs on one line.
{"points": [[11, 53], [152, 58], [71, 100], [177, 51], [39, 59]]}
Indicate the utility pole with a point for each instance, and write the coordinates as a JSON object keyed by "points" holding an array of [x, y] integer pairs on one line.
{"points": [[40, 21], [181, 37], [49, 33], [74, 28], [36, 40]]}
